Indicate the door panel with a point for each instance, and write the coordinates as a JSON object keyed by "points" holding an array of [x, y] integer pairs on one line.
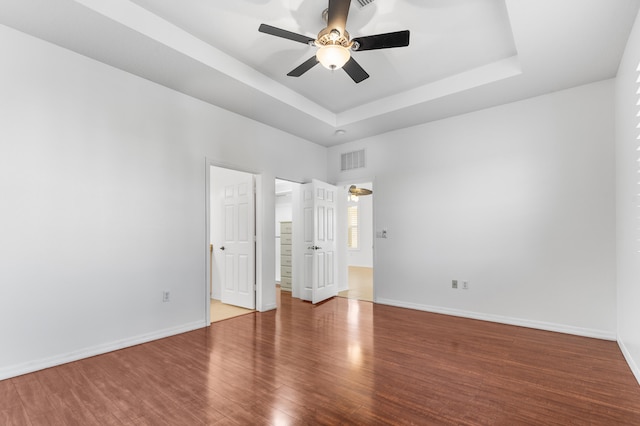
{"points": [[229, 212], [318, 206], [321, 272], [244, 281], [321, 224], [308, 225], [239, 243], [330, 268], [308, 277], [229, 269]]}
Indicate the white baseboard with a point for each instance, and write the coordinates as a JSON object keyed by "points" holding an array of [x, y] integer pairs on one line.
{"points": [[632, 363], [560, 328], [31, 366], [269, 307]]}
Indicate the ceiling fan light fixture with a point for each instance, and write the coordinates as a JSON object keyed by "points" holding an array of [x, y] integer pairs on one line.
{"points": [[334, 35], [359, 192], [333, 56]]}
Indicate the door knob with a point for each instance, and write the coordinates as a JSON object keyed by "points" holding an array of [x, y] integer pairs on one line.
{"points": [[222, 248], [314, 248]]}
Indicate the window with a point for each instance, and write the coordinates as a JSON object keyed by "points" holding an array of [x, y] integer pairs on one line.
{"points": [[352, 220]]}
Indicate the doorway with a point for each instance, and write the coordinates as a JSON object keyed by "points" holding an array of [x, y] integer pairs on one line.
{"points": [[359, 219], [306, 234], [232, 243], [284, 233]]}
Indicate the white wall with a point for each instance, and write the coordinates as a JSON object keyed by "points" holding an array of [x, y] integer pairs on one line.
{"points": [[102, 207], [628, 200], [516, 199]]}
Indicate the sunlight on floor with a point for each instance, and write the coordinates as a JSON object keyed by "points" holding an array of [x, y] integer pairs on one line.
{"points": [[221, 311], [360, 284], [360, 288]]}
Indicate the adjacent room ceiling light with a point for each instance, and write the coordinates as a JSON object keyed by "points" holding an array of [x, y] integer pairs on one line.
{"points": [[358, 192]]}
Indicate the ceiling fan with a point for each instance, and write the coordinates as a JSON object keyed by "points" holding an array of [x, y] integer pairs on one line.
{"points": [[335, 44], [358, 192]]}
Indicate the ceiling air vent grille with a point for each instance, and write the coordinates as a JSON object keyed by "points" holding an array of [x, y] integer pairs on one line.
{"points": [[363, 3], [352, 160]]}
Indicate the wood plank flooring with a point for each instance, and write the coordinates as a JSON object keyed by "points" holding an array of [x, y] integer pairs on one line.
{"points": [[341, 362]]}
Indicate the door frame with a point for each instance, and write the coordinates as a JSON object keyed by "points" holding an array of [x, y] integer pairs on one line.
{"points": [[342, 251], [258, 230]]}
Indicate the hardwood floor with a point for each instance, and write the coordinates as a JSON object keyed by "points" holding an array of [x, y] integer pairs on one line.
{"points": [[340, 362]]}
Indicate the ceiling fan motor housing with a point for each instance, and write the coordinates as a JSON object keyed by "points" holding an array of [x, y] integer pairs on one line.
{"points": [[332, 36]]}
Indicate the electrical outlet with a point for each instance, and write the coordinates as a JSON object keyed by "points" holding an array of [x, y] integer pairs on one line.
{"points": [[166, 296], [454, 284], [465, 285]]}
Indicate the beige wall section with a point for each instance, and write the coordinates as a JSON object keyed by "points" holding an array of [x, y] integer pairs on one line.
{"points": [[103, 176]]}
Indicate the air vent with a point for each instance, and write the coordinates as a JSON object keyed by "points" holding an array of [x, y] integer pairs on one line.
{"points": [[363, 3], [352, 160]]}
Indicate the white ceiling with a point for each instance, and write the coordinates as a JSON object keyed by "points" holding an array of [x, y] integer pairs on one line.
{"points": [[464, 55]]}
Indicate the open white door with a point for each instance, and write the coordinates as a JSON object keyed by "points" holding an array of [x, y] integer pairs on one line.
{"points": [[319, 236], [238, 220]]}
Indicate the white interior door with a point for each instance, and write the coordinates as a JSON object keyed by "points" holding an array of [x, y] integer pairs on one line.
{"points": [[319, 265], [238, 247]]}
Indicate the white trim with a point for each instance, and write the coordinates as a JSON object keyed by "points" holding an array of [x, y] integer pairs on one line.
{"points": [[268, 307], [31, 366], [632, 363], [258, 208], [207, 242], [540, 325]]}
